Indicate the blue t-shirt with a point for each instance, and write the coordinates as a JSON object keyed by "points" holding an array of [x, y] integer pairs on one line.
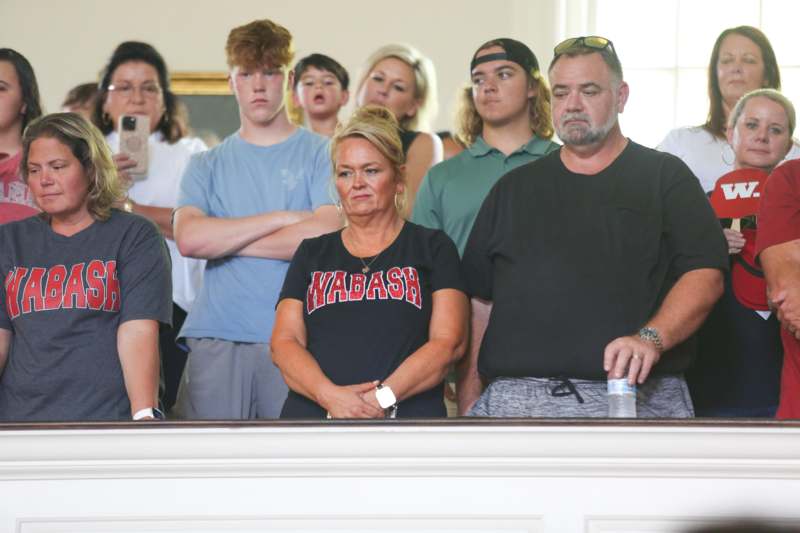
{"points": [[237, 179]]}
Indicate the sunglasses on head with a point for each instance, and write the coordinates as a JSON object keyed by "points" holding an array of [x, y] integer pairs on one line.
{"points": [[593, 41]]}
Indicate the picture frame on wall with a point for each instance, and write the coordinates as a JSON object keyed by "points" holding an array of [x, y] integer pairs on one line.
{"points": [[209, 103]]}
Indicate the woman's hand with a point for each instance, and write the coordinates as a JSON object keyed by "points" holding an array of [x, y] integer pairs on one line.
{"points": [[124, 163], [349, 401], [735, 240]]}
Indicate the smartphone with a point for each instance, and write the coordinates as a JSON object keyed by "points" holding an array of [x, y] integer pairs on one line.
{"points": [[134, 130]]}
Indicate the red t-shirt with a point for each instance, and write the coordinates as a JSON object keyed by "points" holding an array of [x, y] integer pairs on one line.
{"points": [[16, 200], [779, 222]]}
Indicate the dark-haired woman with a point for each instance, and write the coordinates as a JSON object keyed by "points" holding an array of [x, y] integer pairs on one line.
{"points": [[136, 82], [19, 105], [742, 60]]}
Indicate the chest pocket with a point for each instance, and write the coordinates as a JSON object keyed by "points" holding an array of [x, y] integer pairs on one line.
{"points": [[632, 234]]}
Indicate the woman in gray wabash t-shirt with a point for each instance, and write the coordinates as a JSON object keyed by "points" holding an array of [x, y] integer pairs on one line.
{"points": [[86, 286]]}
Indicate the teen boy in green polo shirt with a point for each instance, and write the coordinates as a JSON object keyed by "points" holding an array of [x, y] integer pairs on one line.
{"points": [[504, 121]]}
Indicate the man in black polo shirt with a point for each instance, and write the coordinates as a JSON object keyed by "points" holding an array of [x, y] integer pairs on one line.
{"points": [[597, 261]]}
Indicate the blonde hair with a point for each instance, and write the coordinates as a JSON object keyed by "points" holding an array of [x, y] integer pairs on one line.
{"points": [[771, 94], [89, 147], [469, 123], [379, 126], [424, 82]]}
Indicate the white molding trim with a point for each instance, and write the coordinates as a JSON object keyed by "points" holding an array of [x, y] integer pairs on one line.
{"points": [[402, 451]]}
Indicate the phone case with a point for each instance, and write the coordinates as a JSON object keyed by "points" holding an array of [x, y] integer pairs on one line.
{"points": [[134, 130]]}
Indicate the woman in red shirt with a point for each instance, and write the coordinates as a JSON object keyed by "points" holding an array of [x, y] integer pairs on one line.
{"points": [[19, 104]]}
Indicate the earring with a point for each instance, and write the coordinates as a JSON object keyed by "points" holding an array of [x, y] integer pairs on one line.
{"points": [[400, 203], [725, 150], [339, 209]]}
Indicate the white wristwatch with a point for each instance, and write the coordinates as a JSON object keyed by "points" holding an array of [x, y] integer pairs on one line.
{"points": [[153, 412], [385, 396]]}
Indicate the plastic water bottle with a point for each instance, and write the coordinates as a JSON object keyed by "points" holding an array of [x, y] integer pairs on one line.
{"points": [[621, 399]]}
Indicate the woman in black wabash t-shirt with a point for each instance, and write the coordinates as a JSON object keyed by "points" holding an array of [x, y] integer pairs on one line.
{"points": [[85, 287], [370, 317]]}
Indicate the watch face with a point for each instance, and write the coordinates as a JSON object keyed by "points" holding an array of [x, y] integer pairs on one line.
{"points": [[385, 397]]}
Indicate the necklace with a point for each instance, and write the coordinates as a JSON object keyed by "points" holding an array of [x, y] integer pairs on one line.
{"points": [[367, 265]]}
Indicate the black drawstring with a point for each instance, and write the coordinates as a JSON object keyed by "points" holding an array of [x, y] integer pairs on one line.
{"points": [[563, 387]]}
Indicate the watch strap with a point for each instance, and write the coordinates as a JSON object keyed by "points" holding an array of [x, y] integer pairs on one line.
{"points": [[153, 412], [652, 335]]}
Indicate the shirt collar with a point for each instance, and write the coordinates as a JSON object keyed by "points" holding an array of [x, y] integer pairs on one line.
{"points": [[535, 146]]}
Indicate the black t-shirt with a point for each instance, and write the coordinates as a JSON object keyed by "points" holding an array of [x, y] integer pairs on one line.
{"points": [[63, 300], [573, 261], [360, 327]]}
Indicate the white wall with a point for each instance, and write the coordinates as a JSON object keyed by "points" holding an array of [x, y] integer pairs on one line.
{"points": [[68, 41]]}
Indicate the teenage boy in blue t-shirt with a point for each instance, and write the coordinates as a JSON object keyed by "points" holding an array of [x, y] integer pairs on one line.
{"points": [[245, 206]]}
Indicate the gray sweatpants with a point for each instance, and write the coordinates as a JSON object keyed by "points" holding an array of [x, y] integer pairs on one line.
{"points": [[229, 380], [659, 397]]}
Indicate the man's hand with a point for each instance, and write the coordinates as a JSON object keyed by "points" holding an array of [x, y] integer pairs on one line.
{"points": [[632, 355], [787, 305]]}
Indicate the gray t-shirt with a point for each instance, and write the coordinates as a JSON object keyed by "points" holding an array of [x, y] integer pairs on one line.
{"points": [[63, 299]]}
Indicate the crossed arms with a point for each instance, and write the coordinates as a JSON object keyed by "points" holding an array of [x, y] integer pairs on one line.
{"points": [[273, 235]]}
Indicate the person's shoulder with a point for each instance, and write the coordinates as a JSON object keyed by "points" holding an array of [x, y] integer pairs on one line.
{"points": [[226, 149], [686, 134], [121, 222], [787, 175], [654, 155], [686, 138], [790, 166], [452, 168], [426, 234], [424, 145], [542, 146], [307, 138], [544, 165], [22, 227], [317, 245], [192, 145]]}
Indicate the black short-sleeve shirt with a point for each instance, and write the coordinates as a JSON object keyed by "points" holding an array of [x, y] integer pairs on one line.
{"points": [[361, 326], [573, 261]]}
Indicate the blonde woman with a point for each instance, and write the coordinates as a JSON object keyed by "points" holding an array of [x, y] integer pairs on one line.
{"points": [[86, 287], [400, 78], [393, 285]]}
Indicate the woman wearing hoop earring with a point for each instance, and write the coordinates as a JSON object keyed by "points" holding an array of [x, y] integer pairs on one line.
{"points": [[370, 317], [742, 60], [738, 368]]}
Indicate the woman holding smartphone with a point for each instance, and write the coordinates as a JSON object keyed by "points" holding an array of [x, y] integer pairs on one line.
{"points": [[134, 89]]}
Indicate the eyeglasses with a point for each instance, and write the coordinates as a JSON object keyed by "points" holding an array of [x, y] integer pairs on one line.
{"points": [[593, 41], [148, 90]]}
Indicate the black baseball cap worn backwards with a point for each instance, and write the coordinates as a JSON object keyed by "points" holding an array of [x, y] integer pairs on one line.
{"points": [[514, 51]]}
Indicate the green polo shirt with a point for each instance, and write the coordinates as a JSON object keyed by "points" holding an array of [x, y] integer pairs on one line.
{"points": [[452, 191]]}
